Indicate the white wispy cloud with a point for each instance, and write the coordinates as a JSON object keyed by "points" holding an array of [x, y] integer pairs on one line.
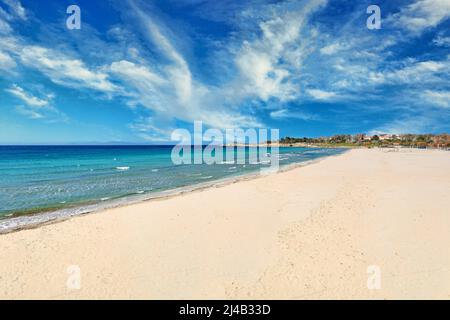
{"points": [[264, 80], [286, 114], [438, 98], [321, 94], [5, 28], [16, 8], [413, 72], [178, 70], [365, 69], [170, 90], [421, 15], [29, 113], [149, 88], [36, 107], [366, 74], [332, 48], [65, 70], [442, 41], [28, 98], [6, 62], [270, 64]]}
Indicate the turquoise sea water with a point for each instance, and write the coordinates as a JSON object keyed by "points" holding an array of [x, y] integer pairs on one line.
{"points": [[46, 178]]}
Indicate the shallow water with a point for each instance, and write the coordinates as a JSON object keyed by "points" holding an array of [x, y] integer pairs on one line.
{"points": [[48, 178]]}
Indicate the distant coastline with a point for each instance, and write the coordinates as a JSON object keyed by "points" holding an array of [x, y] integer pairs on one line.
{"points": [[439, 141], [203, 176]]}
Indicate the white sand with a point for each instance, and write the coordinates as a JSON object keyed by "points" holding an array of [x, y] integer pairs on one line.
{"points": [[307, 233]]}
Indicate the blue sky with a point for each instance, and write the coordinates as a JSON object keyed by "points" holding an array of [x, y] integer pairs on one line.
{"points": [[137, 70]]}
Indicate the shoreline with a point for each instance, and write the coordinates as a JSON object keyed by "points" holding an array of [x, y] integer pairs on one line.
{"points": [[35, 220], [313, 232]]}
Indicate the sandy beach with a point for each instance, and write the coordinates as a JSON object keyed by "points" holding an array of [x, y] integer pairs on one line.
{"points": [[314, 232]]}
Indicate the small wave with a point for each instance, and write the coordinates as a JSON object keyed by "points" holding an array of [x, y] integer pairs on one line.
{"points": [[231, 168], [155, 170], [140, 191], [104, 199], [227, 162], [194, 174], [207, 177], [123, 168]]}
